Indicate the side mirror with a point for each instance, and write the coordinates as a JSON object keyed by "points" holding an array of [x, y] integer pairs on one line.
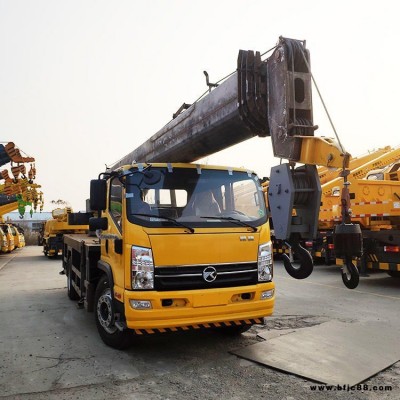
{"points": [[98, 194], [79, 218], [98, 223]]}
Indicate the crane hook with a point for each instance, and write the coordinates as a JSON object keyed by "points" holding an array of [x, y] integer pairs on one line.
{"points": [[350, 274], [306, 266], [348, 240]]}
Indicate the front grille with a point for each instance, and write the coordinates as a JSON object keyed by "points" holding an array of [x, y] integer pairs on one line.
{"points": [[191, 277]]}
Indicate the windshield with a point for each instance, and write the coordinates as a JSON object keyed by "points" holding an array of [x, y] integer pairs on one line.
{"points": [[5, 228], [190, 195]]}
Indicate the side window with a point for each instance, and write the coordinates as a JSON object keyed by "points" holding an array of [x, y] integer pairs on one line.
{"points": [[116, 201]]}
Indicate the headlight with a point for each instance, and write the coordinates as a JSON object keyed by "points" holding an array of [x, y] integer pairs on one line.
{"points": [[142, 268], [265, 262]]}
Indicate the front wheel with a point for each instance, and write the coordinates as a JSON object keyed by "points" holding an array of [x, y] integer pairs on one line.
{"points": [[105, 318]]}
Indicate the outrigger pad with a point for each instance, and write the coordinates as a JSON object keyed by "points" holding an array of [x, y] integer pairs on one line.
{"points": [[334, 353]]}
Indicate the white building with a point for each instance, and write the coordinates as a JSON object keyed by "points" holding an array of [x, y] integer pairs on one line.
{"points": [[28, 222]]}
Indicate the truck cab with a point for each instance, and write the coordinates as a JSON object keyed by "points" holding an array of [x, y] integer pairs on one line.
{"points": [[10, 237], [167, 262], [19, 240], [3, 241]]}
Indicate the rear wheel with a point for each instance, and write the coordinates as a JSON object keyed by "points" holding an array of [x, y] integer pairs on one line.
{"points": [[105, 318]]}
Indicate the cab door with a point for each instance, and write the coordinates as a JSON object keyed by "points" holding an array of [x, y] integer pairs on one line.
{"points": [[112, 248]]}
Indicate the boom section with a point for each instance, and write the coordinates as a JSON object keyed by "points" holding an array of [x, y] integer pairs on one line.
{"points": [[269, 97]]}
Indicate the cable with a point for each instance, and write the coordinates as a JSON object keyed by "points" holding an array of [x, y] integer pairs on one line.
{"points": [[272, 48], [323, 103]]}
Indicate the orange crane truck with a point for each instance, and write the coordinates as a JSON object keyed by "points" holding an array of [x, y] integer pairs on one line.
{"points": [[375, 206], [180, 245], [360, 169], [322, 247]]}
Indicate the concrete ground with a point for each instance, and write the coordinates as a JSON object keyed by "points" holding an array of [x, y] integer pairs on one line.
{"points": [[49, 349]]}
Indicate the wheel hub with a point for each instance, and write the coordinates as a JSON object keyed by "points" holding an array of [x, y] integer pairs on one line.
{"points": [[105, 313]]}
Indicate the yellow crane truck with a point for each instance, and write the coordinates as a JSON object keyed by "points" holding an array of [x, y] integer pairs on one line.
{"points": [[63, 221], [376, 207], [19, 238], [161, 260], [6, 229], [3, 241], [360, 169], [374, 204]]}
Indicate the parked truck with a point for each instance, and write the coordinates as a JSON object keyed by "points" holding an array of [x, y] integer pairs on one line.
{"points": [[19, 238], [376, 205], [163, 261], [6, 229], [63, 221], [4, 246], [361, 170]]}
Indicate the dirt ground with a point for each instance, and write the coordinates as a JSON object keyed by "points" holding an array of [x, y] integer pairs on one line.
{"points": [[51, 350]]}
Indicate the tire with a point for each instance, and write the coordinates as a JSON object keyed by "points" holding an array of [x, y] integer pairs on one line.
{"points": [[351, 277], [104, 314], [72, 293]]}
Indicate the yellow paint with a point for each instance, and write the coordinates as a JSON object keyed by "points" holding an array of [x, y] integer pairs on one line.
{"points": [[10, 238], [174, 246], [220, 307]]}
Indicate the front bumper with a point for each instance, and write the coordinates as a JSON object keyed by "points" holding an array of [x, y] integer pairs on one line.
{"points": [[195, 309]]}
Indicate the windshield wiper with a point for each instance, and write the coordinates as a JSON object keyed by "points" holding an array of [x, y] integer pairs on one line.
{"points": [[190, 229], [235, 221]]}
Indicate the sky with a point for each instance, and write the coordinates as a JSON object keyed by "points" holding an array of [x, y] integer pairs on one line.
{"points": [[83, 83]]}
